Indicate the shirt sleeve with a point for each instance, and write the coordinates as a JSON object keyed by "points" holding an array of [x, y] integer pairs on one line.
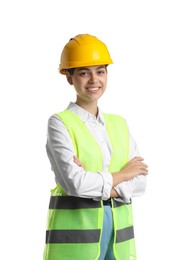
{"points": [[135, 187], [73, 178]]}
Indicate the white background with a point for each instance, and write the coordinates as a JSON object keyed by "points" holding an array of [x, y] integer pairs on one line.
{"points": [[147, 42]]}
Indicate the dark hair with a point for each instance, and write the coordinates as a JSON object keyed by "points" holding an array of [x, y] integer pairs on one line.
{"points": [[71, 71]]}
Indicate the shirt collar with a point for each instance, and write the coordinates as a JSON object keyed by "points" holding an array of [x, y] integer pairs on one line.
{"points": [[85, 115]]}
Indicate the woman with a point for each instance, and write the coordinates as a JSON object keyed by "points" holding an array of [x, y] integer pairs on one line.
{"points": [[96, 164]]}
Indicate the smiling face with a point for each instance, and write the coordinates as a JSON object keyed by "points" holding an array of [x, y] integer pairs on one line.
{"points": [[89, 83]]}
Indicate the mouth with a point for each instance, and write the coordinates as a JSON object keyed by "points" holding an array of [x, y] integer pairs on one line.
{"points": [[93, 89]]}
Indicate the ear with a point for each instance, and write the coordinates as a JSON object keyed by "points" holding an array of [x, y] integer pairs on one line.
{"points": [[69, 78]]}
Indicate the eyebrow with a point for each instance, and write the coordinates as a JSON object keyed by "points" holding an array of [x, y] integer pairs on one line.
{"points": [[86, 68]]}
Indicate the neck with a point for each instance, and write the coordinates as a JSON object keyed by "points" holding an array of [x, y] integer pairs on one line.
{"points": [[90, 107]]}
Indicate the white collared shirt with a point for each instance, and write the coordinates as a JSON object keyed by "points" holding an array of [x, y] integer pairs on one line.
{"points": [[74, 179]]}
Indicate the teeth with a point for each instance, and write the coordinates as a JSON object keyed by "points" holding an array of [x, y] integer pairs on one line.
{"points": [[93, 89]]}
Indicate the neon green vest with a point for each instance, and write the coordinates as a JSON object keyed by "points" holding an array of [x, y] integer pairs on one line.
{"points": [[75, 224]]}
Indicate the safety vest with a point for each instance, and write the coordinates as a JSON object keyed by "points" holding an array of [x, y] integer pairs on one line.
{"points": [[75, 224]]}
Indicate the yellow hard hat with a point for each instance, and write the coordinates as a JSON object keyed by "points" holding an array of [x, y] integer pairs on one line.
{"points": [[84, 50]]}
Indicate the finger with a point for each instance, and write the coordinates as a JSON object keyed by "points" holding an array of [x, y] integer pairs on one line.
{"points": [[76, 159], [144, 173], [144, 164], [137, 158], [144, 169]]}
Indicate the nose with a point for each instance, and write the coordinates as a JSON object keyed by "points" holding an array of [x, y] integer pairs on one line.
{"points": [[93, 78]]}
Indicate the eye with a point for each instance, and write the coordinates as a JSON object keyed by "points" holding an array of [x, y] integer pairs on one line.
{"points": [[84, 73], [101, 71]]}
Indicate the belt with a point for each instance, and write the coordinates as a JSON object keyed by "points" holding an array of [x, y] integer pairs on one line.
{"points": [[107, 202]]}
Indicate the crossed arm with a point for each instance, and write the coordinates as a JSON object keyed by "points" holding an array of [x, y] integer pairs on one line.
{"points": [[132, 169]]}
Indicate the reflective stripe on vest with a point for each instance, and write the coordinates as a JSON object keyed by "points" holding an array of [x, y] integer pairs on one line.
{"points": [[74, 224], [73, 236], [85, 236], [70, 202]]}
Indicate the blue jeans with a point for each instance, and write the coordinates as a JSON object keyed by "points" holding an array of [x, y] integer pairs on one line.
{"points": [[107, 235]]}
